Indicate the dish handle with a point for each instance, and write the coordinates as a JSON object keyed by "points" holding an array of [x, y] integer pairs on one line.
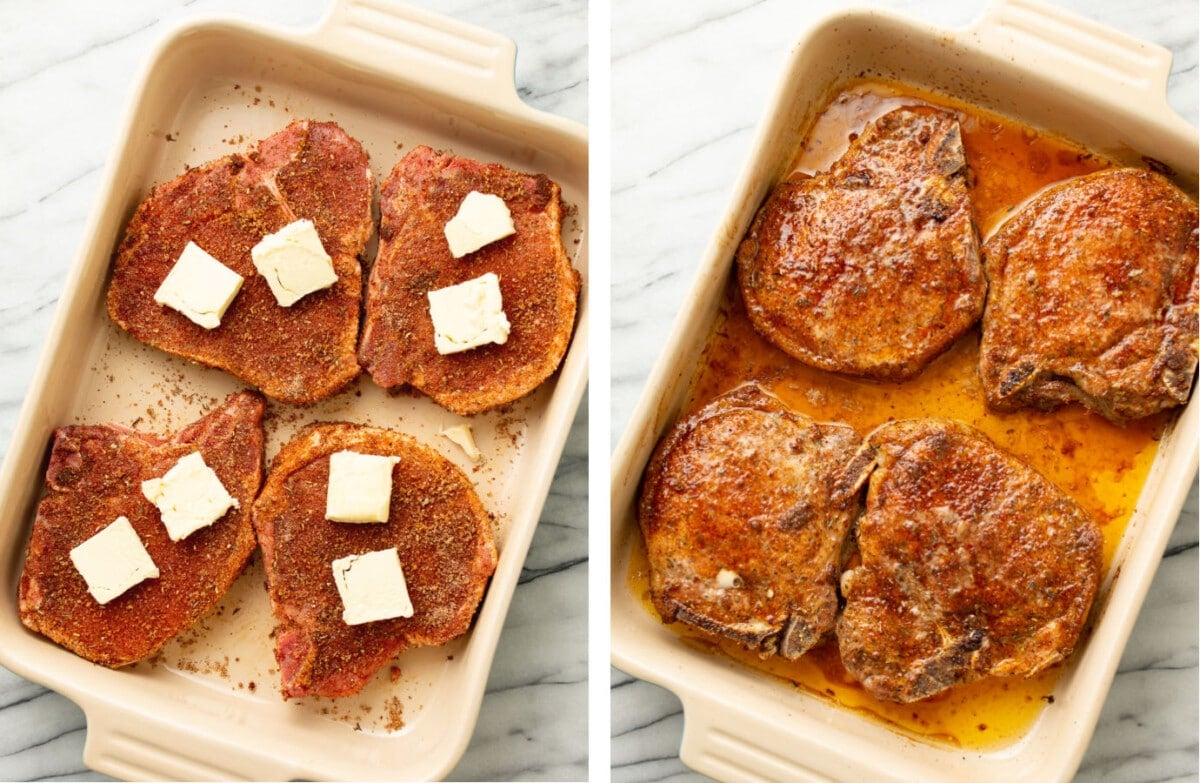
{"points": [[734, 748], [418, 46], [129, 746], [1057, 42]]}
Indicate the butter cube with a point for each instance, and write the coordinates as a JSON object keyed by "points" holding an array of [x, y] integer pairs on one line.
{"points": [[189, 496], [460, 434], [294, 262], [199, 286], [372, 587], [360, 487], [468, 315], [482, 219], [113, 560]]}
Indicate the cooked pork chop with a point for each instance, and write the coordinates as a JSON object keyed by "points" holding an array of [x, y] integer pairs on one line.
{"points": [[296, 354], [1093, 298], [873, 267], [436, 522], [538, 285], [972, 564], [94, 477], [744, 522]]}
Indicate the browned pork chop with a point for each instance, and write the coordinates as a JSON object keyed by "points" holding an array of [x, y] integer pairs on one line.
{"points": [[296, 354], [972, 564], [743, 522], [538, 285], [1093, 298], [436, 522], [873, 267], [95, 475]]}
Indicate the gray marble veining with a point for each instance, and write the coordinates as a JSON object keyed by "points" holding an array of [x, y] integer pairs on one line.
{"points": [[690, 83], [66, 72]]}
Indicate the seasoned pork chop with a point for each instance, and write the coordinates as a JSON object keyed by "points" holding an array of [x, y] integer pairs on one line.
{"points": [[873, 267], [972, 564], [95, 476], [436, 522], [538, 285], [744, 524], [1093, 298], [296, 354]]}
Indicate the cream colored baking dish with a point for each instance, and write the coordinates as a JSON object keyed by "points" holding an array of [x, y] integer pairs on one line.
{"points": [[393, 77], [1048, 69]]}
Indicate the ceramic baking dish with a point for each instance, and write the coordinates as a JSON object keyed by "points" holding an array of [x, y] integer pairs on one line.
{"points": [[209, 707], [1047, 69]]}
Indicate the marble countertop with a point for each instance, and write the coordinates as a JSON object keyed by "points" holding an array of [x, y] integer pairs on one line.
{"points": [[690, 82], [66, 72]]}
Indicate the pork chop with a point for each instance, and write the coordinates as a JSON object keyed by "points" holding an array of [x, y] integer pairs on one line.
{"points": [[538, 285], [872, 268], [1093, 298], [972, 564], [94, 477], [302, 353], [436, 522], [744, 522]]}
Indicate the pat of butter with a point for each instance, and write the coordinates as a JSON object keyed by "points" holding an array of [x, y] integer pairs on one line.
{"points": [[189, 496], [199, 286], [113, 560], [482, 219], [372, 587], [294, 262], [468, 315], [360, 487], [461, 435]]}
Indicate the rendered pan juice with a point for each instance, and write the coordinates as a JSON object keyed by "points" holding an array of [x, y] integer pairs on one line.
{"points": [[1101, 465]]}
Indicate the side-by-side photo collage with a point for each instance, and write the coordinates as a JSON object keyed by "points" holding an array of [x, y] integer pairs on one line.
{"points": [[600, 391]]}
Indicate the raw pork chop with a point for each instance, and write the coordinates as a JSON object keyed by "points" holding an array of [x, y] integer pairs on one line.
{"points": [[1093, 298], [744, 522], [972, 564], [538, 285], [436, 522], [296, 354], [95, 476], [872, 268]]}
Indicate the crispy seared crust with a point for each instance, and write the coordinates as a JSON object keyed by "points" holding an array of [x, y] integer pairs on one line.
{"points": [[872, 268], [95, 475], [538, 285], [1093, 298], [972, 564], [437, 523], [296, 354], [747, 485]]}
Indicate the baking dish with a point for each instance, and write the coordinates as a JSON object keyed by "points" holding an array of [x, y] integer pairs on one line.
{"points": [[1044, 68], [393, 77]]}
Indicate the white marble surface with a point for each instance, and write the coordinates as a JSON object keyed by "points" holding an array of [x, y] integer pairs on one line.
{"points": [[66, 72], [690, 82]]}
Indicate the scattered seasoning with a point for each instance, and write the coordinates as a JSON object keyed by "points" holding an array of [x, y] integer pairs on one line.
{"points": [[395, 714]]}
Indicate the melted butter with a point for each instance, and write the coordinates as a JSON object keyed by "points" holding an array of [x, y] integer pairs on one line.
{"points": [[1101, 465]]}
